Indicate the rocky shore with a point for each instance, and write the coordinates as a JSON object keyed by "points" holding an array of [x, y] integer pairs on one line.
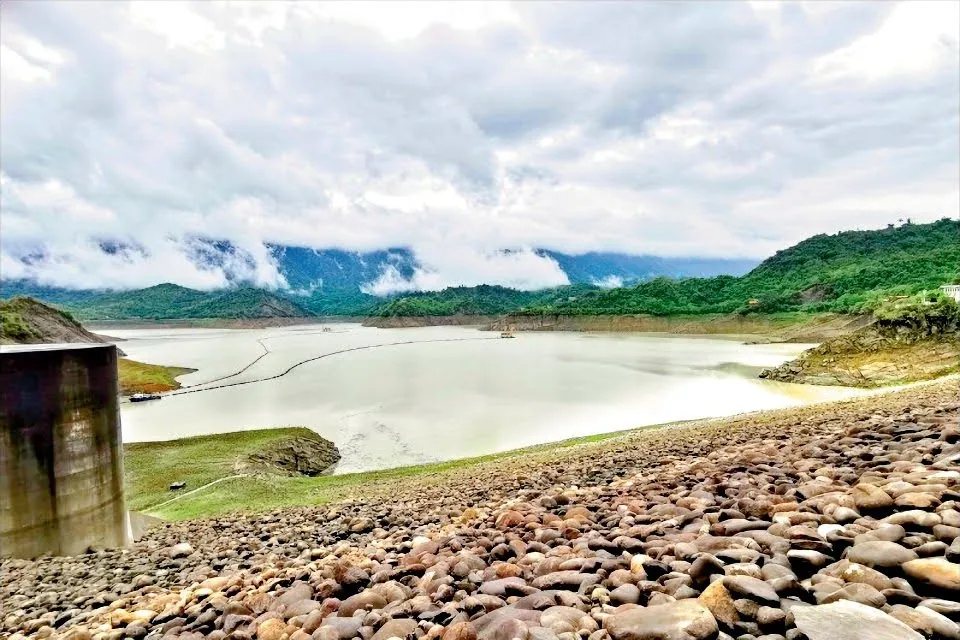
{"points": [[828, 522], [868, 358]]}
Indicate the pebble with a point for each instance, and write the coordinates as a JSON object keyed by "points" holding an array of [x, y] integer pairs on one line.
{"points": [[729, 529]]}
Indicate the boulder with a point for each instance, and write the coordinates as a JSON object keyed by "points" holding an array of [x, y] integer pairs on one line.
{"points": [[847, 620], [681, 620], [935, 572]]}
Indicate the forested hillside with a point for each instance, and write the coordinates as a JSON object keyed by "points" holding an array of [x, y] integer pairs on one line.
{"points": [[851, 271], [170, 301], [481, 300]]}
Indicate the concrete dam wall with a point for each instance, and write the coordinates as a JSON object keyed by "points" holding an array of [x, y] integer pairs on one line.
{"points": [[61, 461]]}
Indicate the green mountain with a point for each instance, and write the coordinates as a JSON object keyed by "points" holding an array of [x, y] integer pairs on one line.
{"points": [[851, 271], [480, 300], [170, 301]]}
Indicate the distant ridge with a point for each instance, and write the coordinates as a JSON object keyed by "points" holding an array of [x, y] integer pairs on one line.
{"points": [[172, 302], [845, 272]]}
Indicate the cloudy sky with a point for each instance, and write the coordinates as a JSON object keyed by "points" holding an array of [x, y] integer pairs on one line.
{"points": [[675, 128]]}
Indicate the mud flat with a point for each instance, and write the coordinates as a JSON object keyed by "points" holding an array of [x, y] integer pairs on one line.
{"points": [[828, 521]]}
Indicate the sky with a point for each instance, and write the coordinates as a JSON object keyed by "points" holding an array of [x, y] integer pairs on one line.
{"points": [[460, 129]]}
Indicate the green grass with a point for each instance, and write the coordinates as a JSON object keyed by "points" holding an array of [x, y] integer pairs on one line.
{"points": [[140, 377], [151, 467]]}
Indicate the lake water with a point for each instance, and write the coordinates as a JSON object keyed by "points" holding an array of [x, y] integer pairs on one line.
{"points": [[449, 392]]}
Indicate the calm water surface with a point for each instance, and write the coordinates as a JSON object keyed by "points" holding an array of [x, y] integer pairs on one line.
{"points": [[453, 392]]}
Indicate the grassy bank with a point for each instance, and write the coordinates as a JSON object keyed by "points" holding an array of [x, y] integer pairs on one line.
{"points": [[253, 494], [150, 467], [141, 377]]}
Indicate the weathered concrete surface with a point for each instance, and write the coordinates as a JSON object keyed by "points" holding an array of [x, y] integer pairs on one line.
{"points": [[61, 466]]}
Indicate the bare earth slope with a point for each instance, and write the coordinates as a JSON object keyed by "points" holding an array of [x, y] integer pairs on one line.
{"points": [[26, 321], [871, 358], [830, 521]]}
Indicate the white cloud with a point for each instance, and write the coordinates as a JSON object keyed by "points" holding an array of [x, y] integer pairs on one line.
{"points": [[610, 282], [460, 129], [442, 267], [916, 37]]}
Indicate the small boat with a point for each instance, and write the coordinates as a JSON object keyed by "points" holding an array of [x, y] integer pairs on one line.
{"points": [[507, 334], [143, 397]]}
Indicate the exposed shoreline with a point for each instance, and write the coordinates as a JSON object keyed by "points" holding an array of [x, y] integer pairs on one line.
{"points": [[252, 494], [746, 524], [782, 327], [101, 326]]}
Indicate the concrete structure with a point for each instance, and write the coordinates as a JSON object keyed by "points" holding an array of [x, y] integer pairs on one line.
{"points": [[61, 459], [952, 290]]}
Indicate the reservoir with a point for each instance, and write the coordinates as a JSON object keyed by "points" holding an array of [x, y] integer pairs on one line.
{"points": [[393, 397]]}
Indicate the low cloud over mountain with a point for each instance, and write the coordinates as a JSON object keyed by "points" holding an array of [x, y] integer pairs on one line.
{"points": [[473, 134]]}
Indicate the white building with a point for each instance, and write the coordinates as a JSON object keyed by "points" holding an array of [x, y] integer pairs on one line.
{"points": [[952, 290]]}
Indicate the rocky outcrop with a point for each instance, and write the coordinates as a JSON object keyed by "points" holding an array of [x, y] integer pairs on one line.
{"points": [[872, 357], [294, 456], [748, 528]]}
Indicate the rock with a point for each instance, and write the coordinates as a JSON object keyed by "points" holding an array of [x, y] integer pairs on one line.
{"points": [[935, 572], [868, 497], [297, 592], [752, 588], [561, 619], [880, 553], [460, 631], [853, 572], [504, 585], [718, 600], [295, 456], [770, 617], [573, 580], [681, 620], [181, 550], [501, 622], [949, 608], [857, 592], [846, 620], [301, 608], [396, 628], [625, 594], [346, 628], [365, 600], [272, 629], [926, 621]]}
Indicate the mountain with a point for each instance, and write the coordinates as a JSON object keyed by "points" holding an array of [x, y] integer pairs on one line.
{"points": [[852, 271], [170, 301], [331, 281], [27, 321], [481, 300], [308, 269], [618, 268]]}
